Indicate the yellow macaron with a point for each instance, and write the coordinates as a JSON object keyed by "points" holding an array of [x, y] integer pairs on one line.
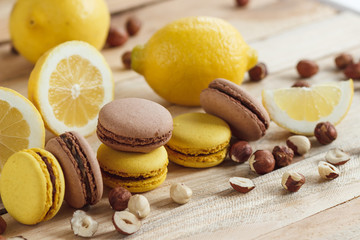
{"points": [[138, 172], [199, 140], [32, 186]]}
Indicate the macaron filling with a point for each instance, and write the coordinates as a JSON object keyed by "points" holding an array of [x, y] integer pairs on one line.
{"points": [[235, 96], [52, 179], [71, 146], [109, 137]]}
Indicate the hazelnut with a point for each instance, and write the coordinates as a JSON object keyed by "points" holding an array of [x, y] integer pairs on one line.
{"points": [[240, 151], [242, 3], [292, 181], [3, 225], [307, 68], [133, 25], [116, 37], [262, 161], [83, 225], [180, 193], [301, 83], [283, 156], [343, 60], [299, 144], [139, 205], [325, 133], [352, 71], [327, 170], [125, 222], [119, 198], [13, 50], [258, 72], [241, 184], [337, 156], [126, 59]]}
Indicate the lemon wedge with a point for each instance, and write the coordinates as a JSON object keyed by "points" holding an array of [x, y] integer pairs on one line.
{"points": [[300, 109], [21, 125], [69, 85]]}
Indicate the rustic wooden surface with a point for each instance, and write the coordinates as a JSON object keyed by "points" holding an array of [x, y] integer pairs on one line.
{"points": [[283, 31]]}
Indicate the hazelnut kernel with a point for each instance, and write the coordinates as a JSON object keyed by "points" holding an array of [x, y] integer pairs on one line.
{"points": [[133, 25], [292, 181], [307, 68], [125, 222], [325, 133], [343, 60], [262, 161], [241, 184], [242, 3], [83, 225], [327, 170], [258, 72], [283, 156], [352, 71], [301, 83], [139, 206], [299, 144], [126, 59], [119, 198], [116, 37], [240, 151], [180, 193], [337, 156]]}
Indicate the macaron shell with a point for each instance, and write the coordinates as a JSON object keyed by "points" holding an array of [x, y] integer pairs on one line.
{"points": [[134, 125], [26, 188], [137, 186], [59, 181], [129, 164], [244, 124], [75, 190], [201, 161], [199, 133], [138, 172], [246, 116]]}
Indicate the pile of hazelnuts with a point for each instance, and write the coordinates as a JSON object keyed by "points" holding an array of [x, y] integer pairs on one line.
{"points": [[264, 161]]}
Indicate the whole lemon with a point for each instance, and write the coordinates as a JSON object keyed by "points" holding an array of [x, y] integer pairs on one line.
{"points": [[182, 58], [38, 25]]}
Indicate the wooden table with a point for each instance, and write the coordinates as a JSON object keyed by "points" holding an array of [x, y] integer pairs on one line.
{"points": [[283, 32]]}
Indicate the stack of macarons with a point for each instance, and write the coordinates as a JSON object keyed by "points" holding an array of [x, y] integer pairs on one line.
{"points": [[201, 140], [133, 132]]}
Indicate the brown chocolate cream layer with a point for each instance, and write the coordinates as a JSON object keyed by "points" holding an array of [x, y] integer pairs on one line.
{"points": [[108, 137], [244, 100], [72, 148]]}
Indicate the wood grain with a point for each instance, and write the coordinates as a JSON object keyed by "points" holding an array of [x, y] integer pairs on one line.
{"points": [[282, 32]]}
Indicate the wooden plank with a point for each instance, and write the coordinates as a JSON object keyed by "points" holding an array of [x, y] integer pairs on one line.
{"points": [[258, 20], [340, 222]]}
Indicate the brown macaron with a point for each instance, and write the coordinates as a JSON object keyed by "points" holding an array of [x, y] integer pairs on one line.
{"points": [[247, 118], [83, 180], [134, 125]]}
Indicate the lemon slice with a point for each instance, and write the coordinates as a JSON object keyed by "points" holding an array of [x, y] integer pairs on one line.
{"points": [[21, 125], [69, 85], [300, 109]]}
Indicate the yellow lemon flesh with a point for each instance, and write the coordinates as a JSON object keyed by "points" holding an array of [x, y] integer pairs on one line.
{"points": [[69, 85], [21, 125], [182, 58], [300, 109], [38, 25]]}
